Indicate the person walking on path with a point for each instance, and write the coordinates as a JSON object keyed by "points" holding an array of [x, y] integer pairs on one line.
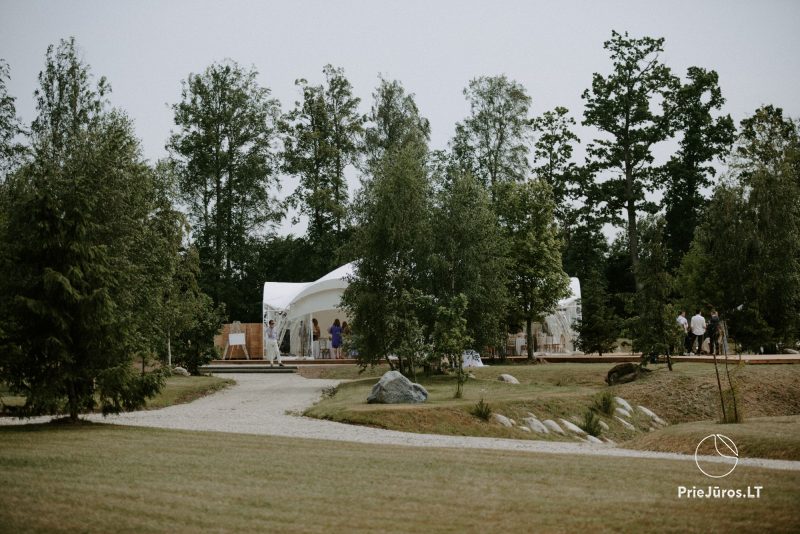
{"points": [[273, 350], [698, 327], [684, 323], [336, 338]]}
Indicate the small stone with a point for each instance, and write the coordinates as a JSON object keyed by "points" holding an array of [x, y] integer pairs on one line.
{"points": [[623, 412], [536, 425], [625, 423], [603, 425], [593, 439], [580, 439], [512, 421], [649, 413], [610, 441], [508, 379], [524, 428], [575, 429], [502, 419], [623, 403], [529, 414], [552, 425]]}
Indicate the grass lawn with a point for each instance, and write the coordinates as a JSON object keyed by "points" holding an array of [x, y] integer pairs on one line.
{"points": [[176, 390], [553, 391], [103, 478], [759, 437]]}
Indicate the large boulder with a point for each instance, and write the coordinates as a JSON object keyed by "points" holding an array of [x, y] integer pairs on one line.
{"points": [[180, 371], [394, 388], [502, 419]]}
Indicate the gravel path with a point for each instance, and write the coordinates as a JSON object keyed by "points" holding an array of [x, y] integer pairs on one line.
{"points": [[267, 404]]}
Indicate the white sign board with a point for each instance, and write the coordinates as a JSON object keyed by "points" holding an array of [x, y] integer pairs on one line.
{"points": [[236, 339]]}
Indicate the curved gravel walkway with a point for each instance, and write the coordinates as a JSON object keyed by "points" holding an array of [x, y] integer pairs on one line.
{"points": [[268, 404]]}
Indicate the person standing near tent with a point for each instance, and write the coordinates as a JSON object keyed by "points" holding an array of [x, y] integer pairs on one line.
{"points": [[336, 338], [315, 338], [272, 344], [698, 327]]}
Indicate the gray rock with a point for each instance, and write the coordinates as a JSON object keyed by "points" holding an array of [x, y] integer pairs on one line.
{"points": [[524, 428], [180, 371], [622, 411], [603, 425], [531, 415], [646, 411], [508, 379], [592, 439], [625, 423], [536, 425], [623, 404], [575, 429], [502, 419], [394, 388], [512, 421], [791, 351], [552, 425]]}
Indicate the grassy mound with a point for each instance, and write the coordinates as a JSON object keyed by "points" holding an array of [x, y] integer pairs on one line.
{"points": [[562, 391]]}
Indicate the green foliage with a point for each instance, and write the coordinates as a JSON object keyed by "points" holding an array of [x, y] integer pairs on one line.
{"points": [[493, 142], [537, 280], [469, 256], [482, 410], [704, 139], [604, 403], [598, 327], [552, 154], [450, 337], [653, 329], [622, 105], [222, 152], [322, 138], [386, 298], [11, 151], [745, 258], [591, 423]]}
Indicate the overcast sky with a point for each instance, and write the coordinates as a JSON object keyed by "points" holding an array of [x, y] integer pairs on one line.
{"points": [[145, 48]]}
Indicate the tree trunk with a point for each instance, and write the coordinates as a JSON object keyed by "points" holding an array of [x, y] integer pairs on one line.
{"points": [[169, 348], [633, 236]]}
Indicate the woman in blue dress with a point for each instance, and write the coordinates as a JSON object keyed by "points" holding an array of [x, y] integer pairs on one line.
{"points": [[336, 338]]}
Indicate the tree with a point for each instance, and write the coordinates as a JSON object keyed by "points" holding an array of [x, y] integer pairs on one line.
{"points": [[704, 140], [622, 106], [585, 257], [11, 151], [391, 241], [537, 280], [745, 258], [469, 257], [394, 120], [223, 152], [551, 163], [654, 329], [493, 142], [323, 134], [450, 337], [72, 249]]}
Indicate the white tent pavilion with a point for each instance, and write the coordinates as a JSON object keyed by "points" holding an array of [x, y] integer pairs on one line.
{"points": [[293, 305]]}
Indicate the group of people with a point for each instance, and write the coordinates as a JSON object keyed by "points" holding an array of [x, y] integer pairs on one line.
{"points": [[698, 330], [338, 332]]}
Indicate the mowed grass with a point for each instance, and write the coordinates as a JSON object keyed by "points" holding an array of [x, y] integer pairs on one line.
{"points": [[553, 391], [103, 478], [176, 390], [760, 437]]}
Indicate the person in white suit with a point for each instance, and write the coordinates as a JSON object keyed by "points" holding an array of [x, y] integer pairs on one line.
{"points": [[273, 351]]}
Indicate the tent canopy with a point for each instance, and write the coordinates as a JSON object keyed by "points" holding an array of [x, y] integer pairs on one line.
{"points": [[303, 298]]}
